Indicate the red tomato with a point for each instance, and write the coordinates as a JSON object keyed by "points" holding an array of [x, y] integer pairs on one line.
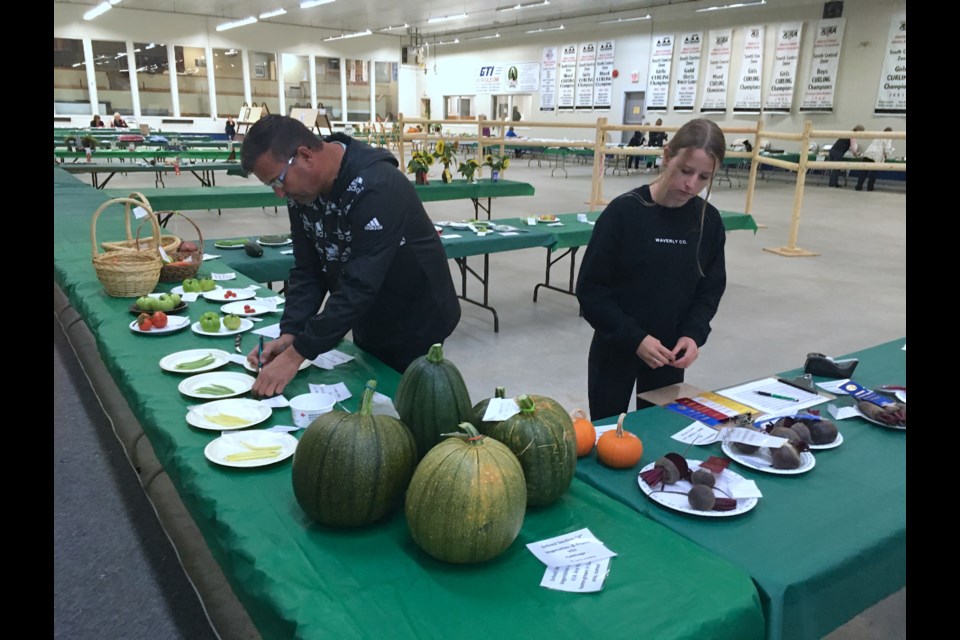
{"points": [[144, 323], [159, 319]]}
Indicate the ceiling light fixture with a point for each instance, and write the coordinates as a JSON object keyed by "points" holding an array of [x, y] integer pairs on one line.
{"points": [[454, 41], [646, 17], [344, 36], [459, 16], [396, 26], [224, 26], [496, 35], [541, 29], [98, 10], [309, 4], [525, 5], [273, 14], [739, 5]]}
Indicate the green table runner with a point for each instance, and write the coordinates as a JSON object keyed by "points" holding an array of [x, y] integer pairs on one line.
{"points": [[141, 154], [821, 546]]}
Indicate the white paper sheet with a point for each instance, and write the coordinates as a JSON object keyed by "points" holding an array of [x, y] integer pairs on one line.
{"points": [[450, 236], [576, 547], [578, 578], [747, 394], [834, 386], [330, 359], [269, 331], [338, 390], [383, 406], [211, 256], [189, 297], [283, 428], [743, 490], [223, 276], [756, 438], [697, 433], [500, 409], [842, 413], [277, 402], [602, 429]]}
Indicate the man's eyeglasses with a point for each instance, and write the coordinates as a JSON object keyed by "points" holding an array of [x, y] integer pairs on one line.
{"points": [[277, 183]]}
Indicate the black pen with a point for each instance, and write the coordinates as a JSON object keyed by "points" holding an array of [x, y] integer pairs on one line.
{"points": [[777, 396], [260, 355]]}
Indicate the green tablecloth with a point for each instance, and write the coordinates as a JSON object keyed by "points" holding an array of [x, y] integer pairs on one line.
{"points": [[300, 580], [821, 546], [190, 198], [461, 189], [143, 154]]}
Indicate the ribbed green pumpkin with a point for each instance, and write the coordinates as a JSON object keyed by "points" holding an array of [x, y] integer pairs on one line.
{"points": [[351, 469], [544, 440], [467, 499], [432, 398], [481, 408]]}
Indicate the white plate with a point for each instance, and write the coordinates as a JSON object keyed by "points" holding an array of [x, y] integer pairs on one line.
{"points": [[170, 362], [760, 461], [898, 427], [681, 503], [245, 325], [239, 383], [228, 443], [830, 445], [179, 290], [252, 411], [253, 368], [236, 308], [275, 244], [174, 323], [217, 295]]}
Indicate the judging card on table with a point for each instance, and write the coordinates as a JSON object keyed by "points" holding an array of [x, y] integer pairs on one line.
{"points": [[338, 390], [578, 578], [697, 433], [576, 547], [223, 276]]}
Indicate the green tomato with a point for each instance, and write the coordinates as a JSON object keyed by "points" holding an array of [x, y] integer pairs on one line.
{"points": [[231, 322], [164, 303], [176, 299], [210, 322], [145, 303], [207, 284], [191, 285]]}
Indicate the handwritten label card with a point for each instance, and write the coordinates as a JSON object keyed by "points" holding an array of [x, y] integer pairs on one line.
{"points": [[223, 276], [330, 359], [338, 390], [697, 433], [572, 548], [577, 578], [756, 438]]}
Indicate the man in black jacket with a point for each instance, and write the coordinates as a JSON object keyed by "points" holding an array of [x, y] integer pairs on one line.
{"points": [[361, 235]]}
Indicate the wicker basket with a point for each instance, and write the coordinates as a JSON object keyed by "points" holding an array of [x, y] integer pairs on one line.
{"points": [[126, 274], [178, 272], [168, 242]]}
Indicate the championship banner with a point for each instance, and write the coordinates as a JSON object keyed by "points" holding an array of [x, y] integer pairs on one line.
{"points": [[568, 77], [688, 71], [658, 79], [718, 69], [892, 94], [822, 78], [603, 81], [548, 79], [586, 67], [751, 73], [780, 88]]}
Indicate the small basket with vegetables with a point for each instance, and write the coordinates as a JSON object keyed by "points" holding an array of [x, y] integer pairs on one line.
{"points": [[127, 274], [170, 243]]}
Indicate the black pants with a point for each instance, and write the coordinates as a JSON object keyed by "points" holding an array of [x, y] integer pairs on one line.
{"points": [[834, 178], [871, 180], [633, 162], [611, 374]]}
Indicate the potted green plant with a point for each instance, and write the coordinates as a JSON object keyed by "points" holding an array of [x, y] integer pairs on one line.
{"points": [[419, 165], [496, 164], [447, 155]]}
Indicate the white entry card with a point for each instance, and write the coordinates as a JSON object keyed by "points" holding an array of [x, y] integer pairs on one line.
{"points": [[223, 276], [579, 578], [756, 438], [697, 433], [576, 547], [500, 409], [339, 390]]}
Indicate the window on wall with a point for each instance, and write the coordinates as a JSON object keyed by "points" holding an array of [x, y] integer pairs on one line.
{"points": [[192, 81], [296, 81], [113, 76], [358, 90], [153, 78], [228, 80], [387, 89], [70, 92], [263, 83], [328, 87], [459, 108]]}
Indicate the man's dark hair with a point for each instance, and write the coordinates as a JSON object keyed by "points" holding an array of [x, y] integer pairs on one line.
{"points": [[280, 135]]}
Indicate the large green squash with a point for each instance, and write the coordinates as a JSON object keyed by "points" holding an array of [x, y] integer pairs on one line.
{"points": [[351, 469], [544, 440], [467, 499], [432, 398], [481, 408]]}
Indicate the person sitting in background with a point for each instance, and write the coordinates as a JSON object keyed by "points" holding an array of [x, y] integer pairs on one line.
{"points": [[118, 121], [230, 129], [838, 150], [513, 134], [486, 130], [97, 122], [877, 151], [633, 162], [657, 139]]}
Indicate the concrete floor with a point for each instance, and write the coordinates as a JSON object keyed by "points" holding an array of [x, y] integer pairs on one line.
{"points": [[775, 309]]}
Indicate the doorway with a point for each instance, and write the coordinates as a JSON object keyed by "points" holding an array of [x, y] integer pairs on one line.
{"points": [[632, 112]]}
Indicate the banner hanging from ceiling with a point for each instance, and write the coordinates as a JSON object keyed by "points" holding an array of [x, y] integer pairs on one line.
{"points": [[586, 66], [568, 77], [892, 93], [718, 69], [781, 86], [824, 62], [688, 71], [548, 79], [603, 78], [658, 79], [751, 73]]}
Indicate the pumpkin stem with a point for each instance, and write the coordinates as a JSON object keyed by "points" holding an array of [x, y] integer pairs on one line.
{"points": [[500, 392], [435, 355], [472, 436], [525, 403], [620, 425], [366, 401], [579, 414]]}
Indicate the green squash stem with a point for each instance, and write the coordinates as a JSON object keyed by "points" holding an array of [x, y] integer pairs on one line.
{"points": [[500, 392], [366, 401], [526, 404], [435, 355], [472, 436]]}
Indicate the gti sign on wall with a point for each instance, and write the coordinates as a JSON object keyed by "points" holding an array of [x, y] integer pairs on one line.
{"points": [[509, 77]]}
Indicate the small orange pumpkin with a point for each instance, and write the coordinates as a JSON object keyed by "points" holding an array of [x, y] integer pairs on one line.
{"points": [[586, 434], [618, 448]]}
